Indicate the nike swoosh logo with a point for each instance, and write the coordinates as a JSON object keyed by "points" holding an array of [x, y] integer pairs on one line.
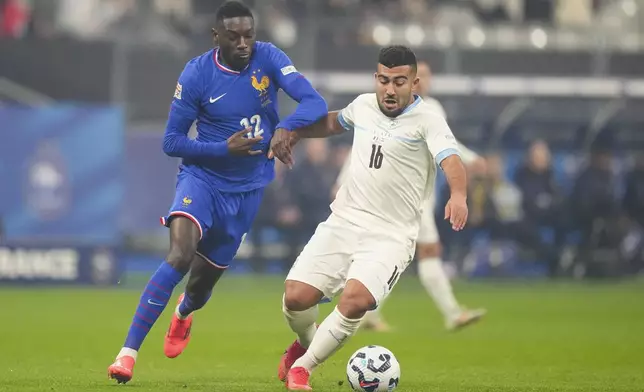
{"points": [[154, 303], [213, 100]]}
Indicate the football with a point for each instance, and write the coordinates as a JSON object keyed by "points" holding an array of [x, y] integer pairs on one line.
{"points": [[373, 369]]}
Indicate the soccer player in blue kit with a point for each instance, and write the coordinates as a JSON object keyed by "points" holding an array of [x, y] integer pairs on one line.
{"points": [[224, 171]]}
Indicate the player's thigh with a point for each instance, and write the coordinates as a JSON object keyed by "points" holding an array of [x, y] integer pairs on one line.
{"points": [[233, 215], [193, 200], [428, 232], [326, 258], [379, 262]]}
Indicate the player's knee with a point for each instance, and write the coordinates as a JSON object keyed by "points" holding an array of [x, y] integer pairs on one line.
{"points": [[356, 300], [426, 251], [300, 296], [180, 256]]}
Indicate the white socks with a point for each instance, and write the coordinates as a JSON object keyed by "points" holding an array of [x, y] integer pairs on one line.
{"points": [[330, 336], [129, 352], [302, 323], [436, 282]]}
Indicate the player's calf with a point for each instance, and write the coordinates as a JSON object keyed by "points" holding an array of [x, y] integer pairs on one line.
{"points": [[300, 309], [337, 328], [184, 237]]}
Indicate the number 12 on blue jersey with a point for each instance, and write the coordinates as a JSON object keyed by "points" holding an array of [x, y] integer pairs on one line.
{"points": [[256, 122]]}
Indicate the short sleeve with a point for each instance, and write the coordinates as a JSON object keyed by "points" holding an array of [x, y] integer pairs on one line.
{"points": [[187, 95], [440, 139], [283, 70], [347, 115]]}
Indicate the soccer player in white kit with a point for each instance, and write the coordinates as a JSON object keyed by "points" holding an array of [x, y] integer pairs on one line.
{"points": [[428, 245], [369, 238]]}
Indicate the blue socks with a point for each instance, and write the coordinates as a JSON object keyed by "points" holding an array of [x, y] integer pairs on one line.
{"points": [[153, 300]]}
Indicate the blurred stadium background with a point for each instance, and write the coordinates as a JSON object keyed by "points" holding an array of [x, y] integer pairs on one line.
{"points": [[551, 92]]}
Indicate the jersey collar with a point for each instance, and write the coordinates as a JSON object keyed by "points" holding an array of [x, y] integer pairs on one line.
{"points": [[222, 67], [417, 100]]}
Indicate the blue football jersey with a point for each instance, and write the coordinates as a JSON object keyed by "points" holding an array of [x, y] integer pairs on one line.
{"points": [[225, 101]]}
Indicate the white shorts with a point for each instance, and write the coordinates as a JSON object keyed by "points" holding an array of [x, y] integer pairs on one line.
{"points": [[340, 251], [428, 233]]}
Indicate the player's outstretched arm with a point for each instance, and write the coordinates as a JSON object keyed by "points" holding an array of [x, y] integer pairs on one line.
{"points": [[325, 127], [456, 208], [282, 145]]}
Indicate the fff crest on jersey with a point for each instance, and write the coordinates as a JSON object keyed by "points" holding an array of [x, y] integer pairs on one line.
{"points": [[261, 83]]}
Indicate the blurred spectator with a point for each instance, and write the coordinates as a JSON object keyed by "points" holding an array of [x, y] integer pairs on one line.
{"points": [[90, 19], [541, 198], [481, 209], [506, 197], [496, 207], [574, 12], [540, 11], [310, 183], [491, 11], [511, 222], [278, 211], [14, 18], [594, 199], [278, 206], [597, 212]]}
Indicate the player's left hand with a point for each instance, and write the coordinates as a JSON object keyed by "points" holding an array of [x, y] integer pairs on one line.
{"points": [[456, 212], [282, 146]]}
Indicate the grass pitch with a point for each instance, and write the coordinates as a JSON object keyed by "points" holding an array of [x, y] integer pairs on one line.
{"points": [[536, 337]]}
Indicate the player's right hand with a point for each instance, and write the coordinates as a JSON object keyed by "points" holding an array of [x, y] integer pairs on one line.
{"points": [[456, 211], [239, 144], [282, 145]]}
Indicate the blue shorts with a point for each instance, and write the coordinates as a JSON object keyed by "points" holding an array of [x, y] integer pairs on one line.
{"points": [[223, 218]]}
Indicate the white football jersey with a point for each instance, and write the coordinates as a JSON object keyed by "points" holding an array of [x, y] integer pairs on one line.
{"points": [[468, 156], [393, 164]]}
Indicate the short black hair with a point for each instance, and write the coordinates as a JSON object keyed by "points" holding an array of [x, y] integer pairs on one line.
{"points": [[397, 56], [233, 9]]}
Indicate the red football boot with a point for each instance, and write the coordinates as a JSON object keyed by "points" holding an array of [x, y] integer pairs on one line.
{"points": [[292, 354], [297, 379], [178, 335], [122, 369]]}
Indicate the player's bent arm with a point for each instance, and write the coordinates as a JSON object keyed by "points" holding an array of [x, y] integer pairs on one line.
{"points": [[311, 106], [328, 125], [455, 174], [176, 142], [183, 112]]}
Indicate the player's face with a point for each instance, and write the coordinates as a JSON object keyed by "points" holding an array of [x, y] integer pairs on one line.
{"points": [[394, 88], [235, 38], [424, 74]]}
